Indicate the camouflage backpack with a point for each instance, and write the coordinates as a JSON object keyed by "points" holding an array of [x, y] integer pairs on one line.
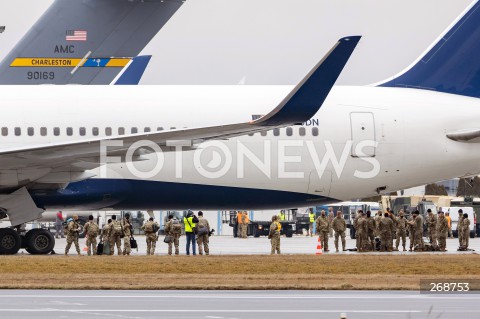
{"points": [[117, 228], [176, 227], [93, 229]]}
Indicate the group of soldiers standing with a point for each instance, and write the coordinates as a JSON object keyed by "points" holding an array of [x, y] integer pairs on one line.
{"points": [[378, 232], [115, 230]]}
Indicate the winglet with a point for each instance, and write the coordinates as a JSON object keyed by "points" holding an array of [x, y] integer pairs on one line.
{"points": [[133, 71], [308, 96]]}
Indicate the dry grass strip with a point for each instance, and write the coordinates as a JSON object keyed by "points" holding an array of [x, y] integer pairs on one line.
{"points": [[234, 272]]}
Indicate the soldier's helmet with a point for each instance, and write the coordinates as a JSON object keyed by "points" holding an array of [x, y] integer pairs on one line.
{"points": [[75, 217]]}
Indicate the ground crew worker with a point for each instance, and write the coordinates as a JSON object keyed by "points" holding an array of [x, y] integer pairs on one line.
{"points": [[362, 232], [465, 229], [401, 231], [431, 227], [311, 216], [442, 231], [190, 222], [330, 215], [459, 224], [323, 228], [245, 221], [282, 215], [173, 228], [370, 231], [449, 221], [339, 226], [59, 225], [150, 228], [411, 231], [418, 224], [203, 234], [73, 228], [240, 224], [91, 232], [274, 235]]}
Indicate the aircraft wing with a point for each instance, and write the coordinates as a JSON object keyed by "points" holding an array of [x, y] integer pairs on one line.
{"points": [[297, 107], [85, 42]]}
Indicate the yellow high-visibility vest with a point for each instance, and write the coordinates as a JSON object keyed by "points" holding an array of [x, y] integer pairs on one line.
{"points": [[312, 217], [189, 224]]}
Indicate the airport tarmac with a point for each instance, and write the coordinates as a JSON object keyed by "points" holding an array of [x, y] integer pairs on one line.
{"points": [[236, 304], [227, 245]]}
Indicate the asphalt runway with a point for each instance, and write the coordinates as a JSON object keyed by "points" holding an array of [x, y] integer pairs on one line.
{"points": [[236, 305], [227, 245]]}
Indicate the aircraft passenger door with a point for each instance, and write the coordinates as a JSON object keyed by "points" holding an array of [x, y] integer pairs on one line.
{"points": [[363, 130]]}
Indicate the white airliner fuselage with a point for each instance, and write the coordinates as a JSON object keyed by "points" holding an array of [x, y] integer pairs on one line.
{"points": [[363, 140]]}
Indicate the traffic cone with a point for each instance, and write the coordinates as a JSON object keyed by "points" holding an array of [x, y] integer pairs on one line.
{"points": [[85, 248], [319, 247]]}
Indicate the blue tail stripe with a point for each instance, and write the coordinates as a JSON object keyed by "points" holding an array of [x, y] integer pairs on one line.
{"points": [[134, 72], [452, 65]]}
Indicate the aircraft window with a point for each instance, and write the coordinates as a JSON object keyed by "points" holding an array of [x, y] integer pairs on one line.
{"points": [[276, 132], [146, 130], [301, 131], [69, 131], [30, 131], [263, 133], [121, 131], [56, 131], [250, 134], [18, 131], [95, 131], [82, 131], [134, 130], [43, 131], [173, 128], [4, 131], [108, 131], [315, 131], [159, 128], [289, 131]]}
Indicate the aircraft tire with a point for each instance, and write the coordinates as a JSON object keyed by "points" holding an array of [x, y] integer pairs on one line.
{"points": [[39, 242], [10, 241]]}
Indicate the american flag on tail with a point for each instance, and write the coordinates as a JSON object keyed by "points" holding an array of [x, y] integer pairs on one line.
{"points": [[76, 35]]}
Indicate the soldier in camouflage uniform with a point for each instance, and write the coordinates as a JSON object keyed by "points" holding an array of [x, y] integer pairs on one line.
{"points": [[151, 235], [73, 228], [401, 230], [330, 215], [339, 226], [274, 234], [203, 235], [245, 222], [442, 231], [418, 230], [91, 233], [431, 227], [459, 226], [377, 219], [386, 235], [114, 229], [361, 232], [371, 229], [323, 228], [127, 231], [411, 231], [173, 228], [465, 229]]}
